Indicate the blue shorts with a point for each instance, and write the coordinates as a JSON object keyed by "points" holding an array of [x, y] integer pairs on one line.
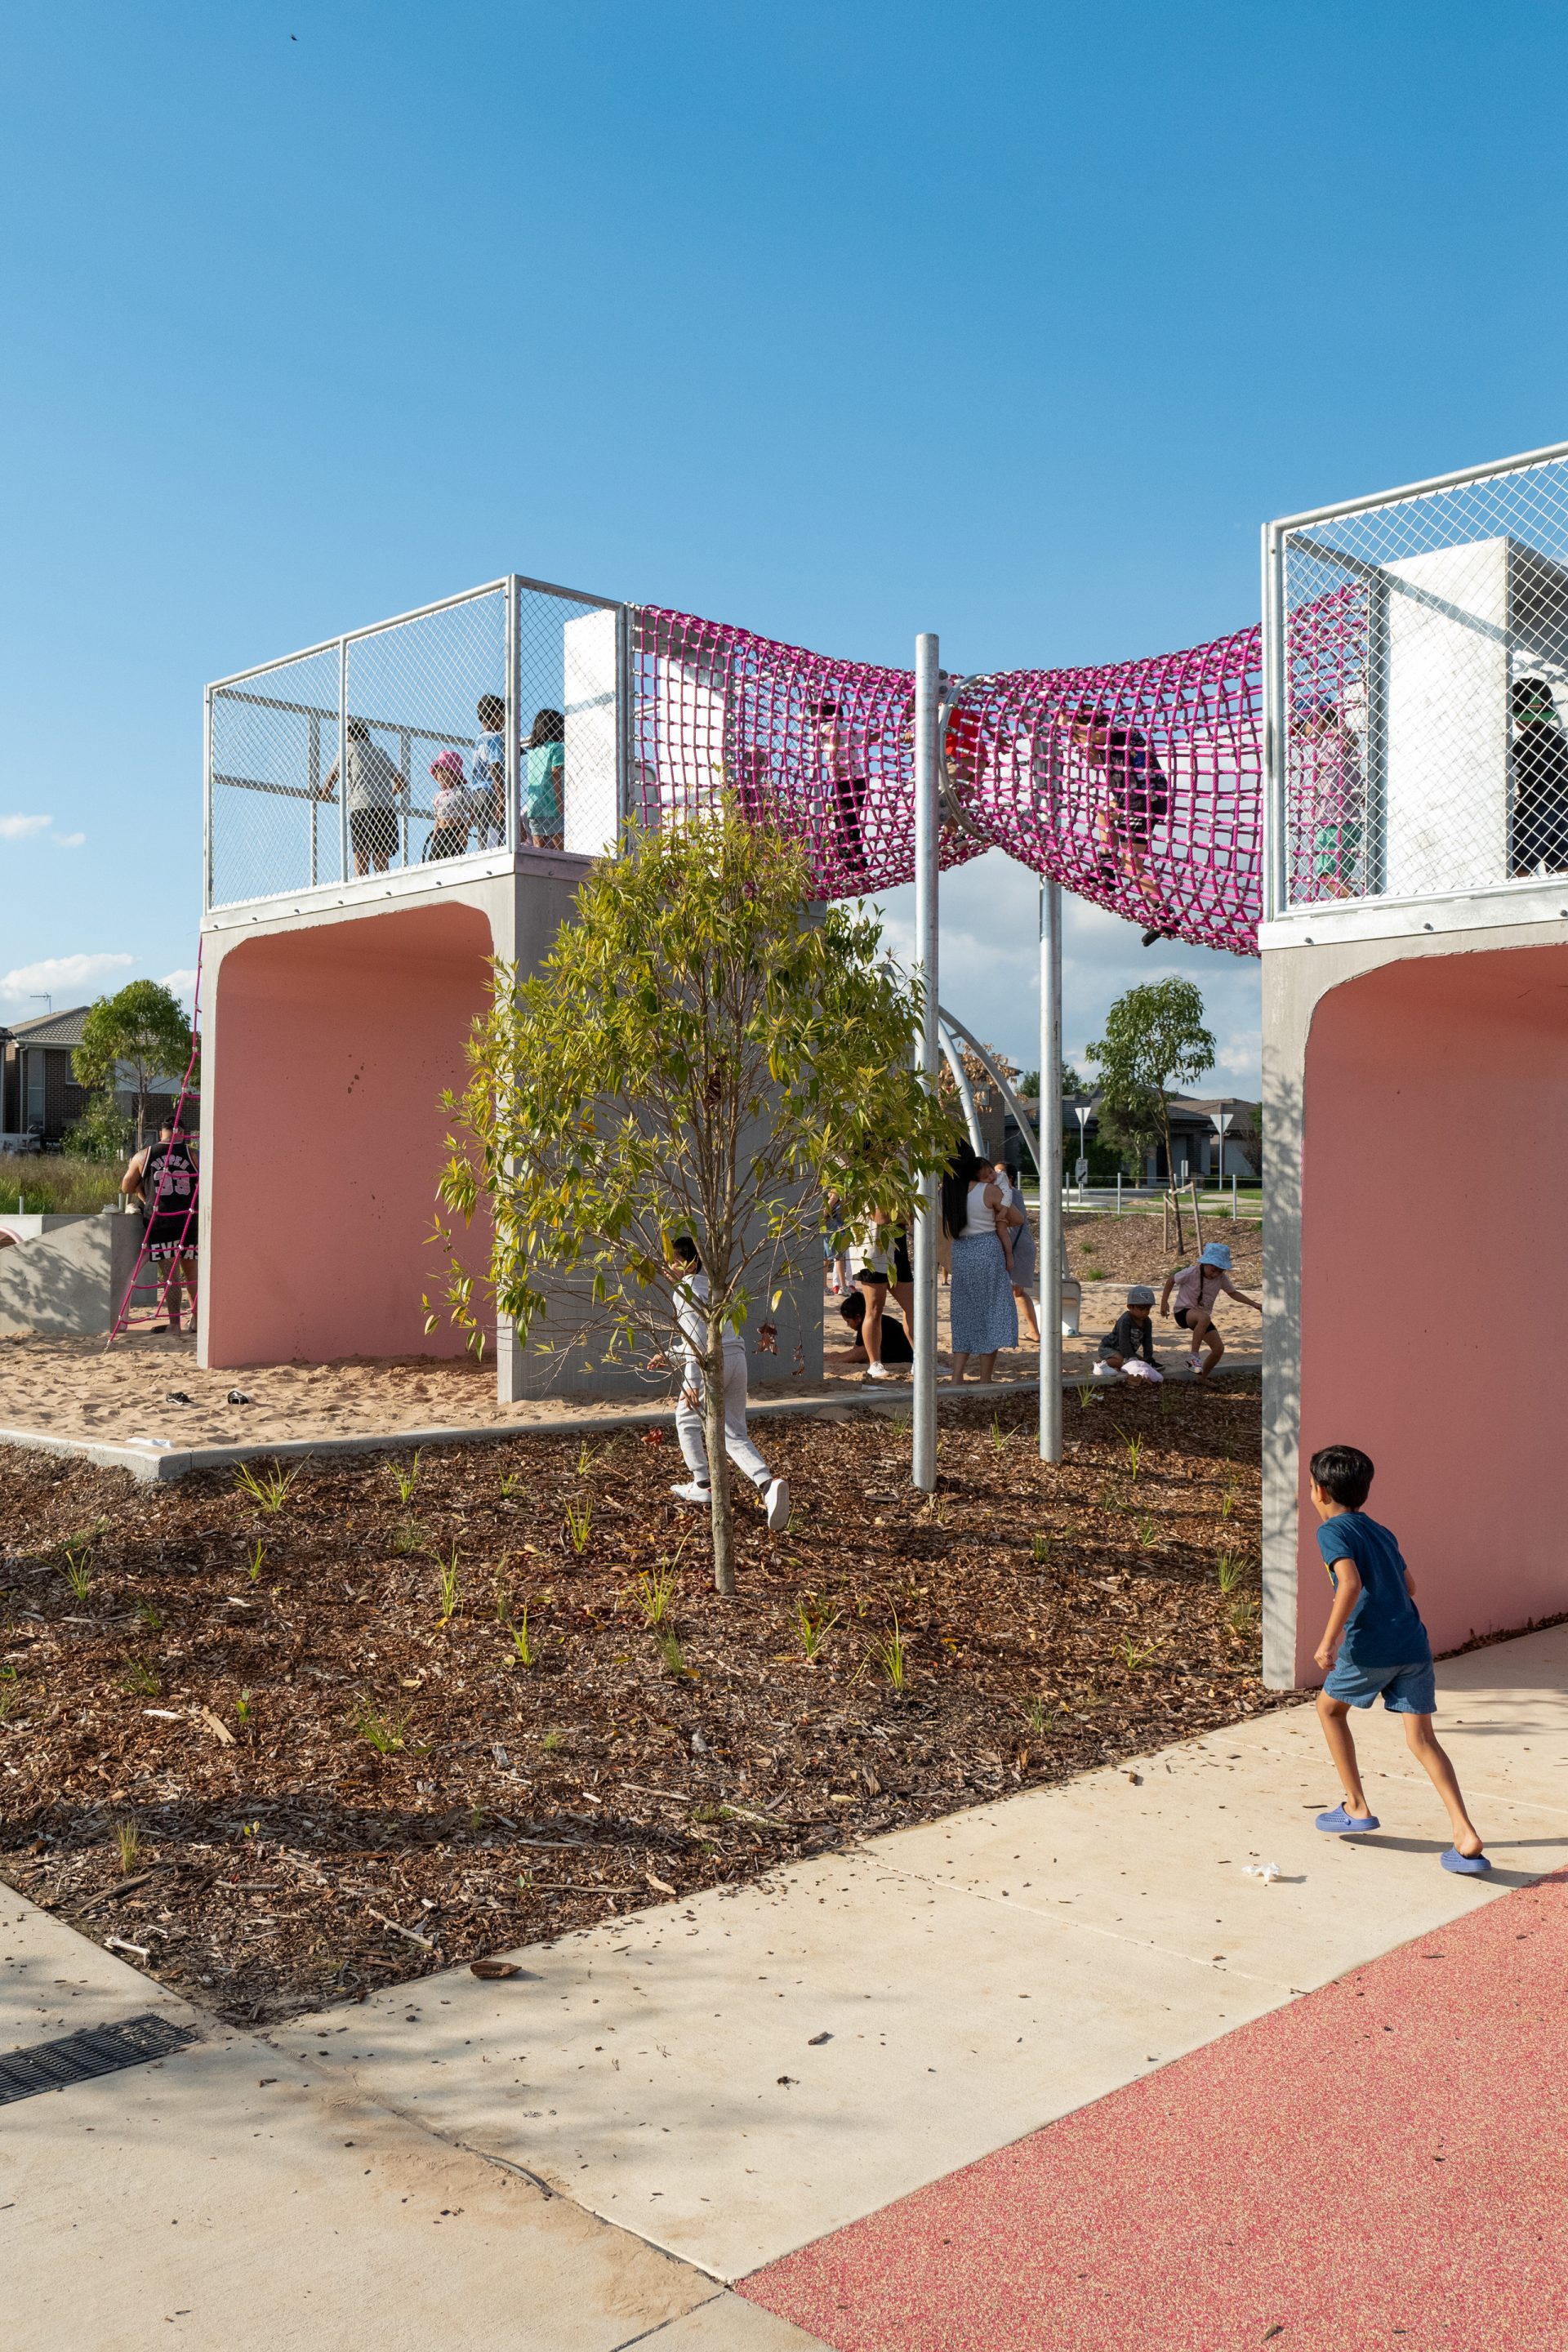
{"points": [[1406, 1690]]}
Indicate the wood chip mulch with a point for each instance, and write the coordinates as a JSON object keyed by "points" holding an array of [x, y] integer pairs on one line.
{"points": [[1134, 1248], [281, 1757]]}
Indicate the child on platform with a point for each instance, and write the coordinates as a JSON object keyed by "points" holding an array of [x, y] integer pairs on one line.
{"points": [[1382, 1650], [1129, 1347], [1197, 1289]]}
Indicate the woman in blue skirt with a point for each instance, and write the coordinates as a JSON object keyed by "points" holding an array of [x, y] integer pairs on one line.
{"points": [[980, 1220]]}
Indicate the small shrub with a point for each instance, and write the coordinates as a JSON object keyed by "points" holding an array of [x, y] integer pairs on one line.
{"points": [[656, 1595], [385, 1733], [406, 1480], [512, 1488], [526, 1653], [813, 1630], [79, 1572], [1136, 1655], [410, 1535], [1145, 1533], [671, 1651], [448, 1588], [1133, 1448], [1230, 1568], [269, 1491], [892, 1654]]}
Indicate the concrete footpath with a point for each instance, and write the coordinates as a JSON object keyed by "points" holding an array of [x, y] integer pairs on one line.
{"points": [[738, 2089]]}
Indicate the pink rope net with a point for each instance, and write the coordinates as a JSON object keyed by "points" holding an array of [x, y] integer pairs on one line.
{"points": [[1136, 784]]}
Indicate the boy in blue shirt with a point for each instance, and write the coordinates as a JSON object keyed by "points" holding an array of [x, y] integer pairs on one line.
{"points": [[1383, 1649]]}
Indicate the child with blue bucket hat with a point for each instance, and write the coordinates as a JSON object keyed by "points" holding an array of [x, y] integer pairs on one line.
{"points": [[1197, 1287]]}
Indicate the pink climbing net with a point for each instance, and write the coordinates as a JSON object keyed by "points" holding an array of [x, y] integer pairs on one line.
{"points": [[1137, 785]]}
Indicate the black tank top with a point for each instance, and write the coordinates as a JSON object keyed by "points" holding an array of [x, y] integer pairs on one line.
{"points": [[170, 1181]]}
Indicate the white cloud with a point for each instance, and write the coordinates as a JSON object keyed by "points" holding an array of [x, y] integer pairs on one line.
{"points": [[23, 828], [180, 984], [989, 967], [68, 979], [67, 840]]}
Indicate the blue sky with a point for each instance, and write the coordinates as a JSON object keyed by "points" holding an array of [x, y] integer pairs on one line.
{"points": [[840, 321]]}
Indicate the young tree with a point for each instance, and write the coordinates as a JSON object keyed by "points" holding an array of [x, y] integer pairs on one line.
{"points": [[1154, 1040], [702, 1052], [141, 1026]]}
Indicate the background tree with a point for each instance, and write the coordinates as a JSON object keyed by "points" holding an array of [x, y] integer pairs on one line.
{"points": [[1154, 1040], [700, 1053], [141, 1026]]}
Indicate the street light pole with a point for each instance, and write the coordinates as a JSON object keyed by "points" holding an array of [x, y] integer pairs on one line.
{"points": [[928, 843]]}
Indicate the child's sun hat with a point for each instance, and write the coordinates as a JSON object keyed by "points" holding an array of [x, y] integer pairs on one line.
{"points": [[1139, 1296], [447, 763], [1216, 1253]]}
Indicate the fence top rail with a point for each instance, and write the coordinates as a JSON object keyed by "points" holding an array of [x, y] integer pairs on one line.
{"points": [[329, 711], [418, 613], [1461, 475]]}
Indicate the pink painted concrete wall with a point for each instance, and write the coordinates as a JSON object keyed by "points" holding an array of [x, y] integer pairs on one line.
{"points": [[329, 1049], [1434, 1278]]}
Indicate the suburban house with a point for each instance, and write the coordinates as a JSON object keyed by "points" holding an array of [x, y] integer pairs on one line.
{"points": [[40, 1096]]}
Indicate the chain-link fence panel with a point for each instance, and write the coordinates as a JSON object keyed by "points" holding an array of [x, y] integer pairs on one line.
{"points": [[1426, 689], [425, 755], [569, 704], [273, 817]]}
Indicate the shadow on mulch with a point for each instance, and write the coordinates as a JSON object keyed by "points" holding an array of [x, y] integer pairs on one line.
{"points": [[284, 1756]]}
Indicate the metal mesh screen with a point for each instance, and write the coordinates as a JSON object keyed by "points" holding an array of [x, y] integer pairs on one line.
{"points": [[430, 773], [419, 694], [274, 739], [1425, 691]]}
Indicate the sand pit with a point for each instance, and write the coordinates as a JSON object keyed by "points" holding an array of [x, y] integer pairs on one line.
{"points": [[73, 1389]]}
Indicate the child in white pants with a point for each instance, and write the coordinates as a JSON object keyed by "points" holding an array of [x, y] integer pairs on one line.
{"points": [[691, 1299]]}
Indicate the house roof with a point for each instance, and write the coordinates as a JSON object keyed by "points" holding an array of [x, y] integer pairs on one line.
{"points": [[63, 1029]]}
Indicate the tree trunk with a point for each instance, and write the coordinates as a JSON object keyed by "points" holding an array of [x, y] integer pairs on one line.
{"points": [[719, 1465]]}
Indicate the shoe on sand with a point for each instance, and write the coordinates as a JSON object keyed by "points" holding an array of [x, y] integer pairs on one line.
{"points": [[776, 1497], [693, 1495], [877, 1373]]}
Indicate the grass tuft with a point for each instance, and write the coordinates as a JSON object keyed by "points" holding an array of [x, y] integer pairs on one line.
{"points": [[128, 1839], [580, 1523], [270, 1490], [406, 1480]]}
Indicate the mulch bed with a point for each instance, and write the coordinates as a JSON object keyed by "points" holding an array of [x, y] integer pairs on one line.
{"points": [[1134, 1249], [282, 1761]]}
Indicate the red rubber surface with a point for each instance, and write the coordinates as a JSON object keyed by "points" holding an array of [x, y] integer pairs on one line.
{"points": [[1384, 2162]]}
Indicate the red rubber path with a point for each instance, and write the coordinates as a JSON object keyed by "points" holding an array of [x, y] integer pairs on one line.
{"points": [[1384, 2162]]}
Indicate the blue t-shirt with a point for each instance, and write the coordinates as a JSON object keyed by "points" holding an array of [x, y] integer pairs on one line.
{"points": [[1385, 1628]]}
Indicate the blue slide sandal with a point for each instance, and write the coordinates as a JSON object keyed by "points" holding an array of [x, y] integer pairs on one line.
{"points": [[1468, 1866], [1339, 1823]]}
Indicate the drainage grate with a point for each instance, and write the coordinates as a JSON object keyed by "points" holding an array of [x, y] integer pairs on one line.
{"points": [[97, 2049]]}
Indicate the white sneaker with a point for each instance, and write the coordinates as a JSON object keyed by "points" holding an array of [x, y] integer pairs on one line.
{"points": [[776, 1496], [1194, 1363], [692, 1494], [878, 1372]]}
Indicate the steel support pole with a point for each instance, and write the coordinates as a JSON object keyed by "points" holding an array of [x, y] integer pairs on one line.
{"points": [[927, 843], [1050, 1171], [345, 867], [512, 697]]}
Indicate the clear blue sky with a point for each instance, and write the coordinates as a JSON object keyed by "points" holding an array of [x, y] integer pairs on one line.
{"points": [[838, 321]]}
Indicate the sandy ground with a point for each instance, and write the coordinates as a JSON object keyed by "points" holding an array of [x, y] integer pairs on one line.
{"points": [[72, 1387]]}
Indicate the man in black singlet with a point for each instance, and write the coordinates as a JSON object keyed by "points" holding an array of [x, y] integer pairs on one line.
{"points": [[164, 1178]]}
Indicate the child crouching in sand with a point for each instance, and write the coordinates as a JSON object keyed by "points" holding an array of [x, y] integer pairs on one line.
{"points": [[1382, 1647], [1129, 1347]]}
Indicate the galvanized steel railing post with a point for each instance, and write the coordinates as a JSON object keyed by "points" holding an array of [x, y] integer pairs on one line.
{"points": [[345, 867], [513, 697], [928, 842]]}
